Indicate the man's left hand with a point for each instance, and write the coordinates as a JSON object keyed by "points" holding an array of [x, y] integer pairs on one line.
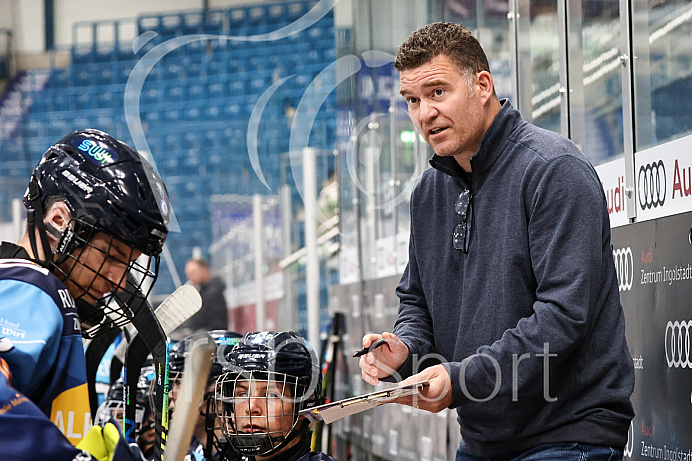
{"points": [[436, 395]]}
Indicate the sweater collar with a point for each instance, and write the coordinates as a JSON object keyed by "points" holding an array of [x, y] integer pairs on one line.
{"points": [[490, 147]]}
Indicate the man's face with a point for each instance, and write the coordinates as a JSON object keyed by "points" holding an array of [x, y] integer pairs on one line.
{"points": [[98, 269], [442, 108], [196, 273]]}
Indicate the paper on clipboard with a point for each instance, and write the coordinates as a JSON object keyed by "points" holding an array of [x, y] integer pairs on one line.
{"points": [[336, 410]]}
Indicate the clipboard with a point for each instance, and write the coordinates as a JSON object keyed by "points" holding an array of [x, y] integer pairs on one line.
{"points": [[334, 411]]}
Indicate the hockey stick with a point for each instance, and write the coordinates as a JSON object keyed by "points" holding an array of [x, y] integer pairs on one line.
{"points": [[174, 310], [152, 339], [194, 383], [135, 357], [94, 354], [171, 313]]}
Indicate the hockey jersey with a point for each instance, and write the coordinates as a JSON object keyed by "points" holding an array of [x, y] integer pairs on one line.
{"points": [[43, 345]]}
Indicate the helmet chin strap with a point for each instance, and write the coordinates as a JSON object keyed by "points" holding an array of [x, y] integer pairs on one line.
{"points": [[34, 218]]}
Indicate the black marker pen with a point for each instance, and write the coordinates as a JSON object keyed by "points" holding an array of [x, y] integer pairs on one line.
{"points": [[372, 347]]}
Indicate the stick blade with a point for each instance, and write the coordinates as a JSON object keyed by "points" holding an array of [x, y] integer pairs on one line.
{"points": [[182, 304]]}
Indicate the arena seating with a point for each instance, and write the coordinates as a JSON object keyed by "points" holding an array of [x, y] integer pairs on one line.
{"points": [[195, 104]]}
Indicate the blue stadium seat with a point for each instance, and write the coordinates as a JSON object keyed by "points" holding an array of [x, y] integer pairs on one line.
{"points": [[105, 52], [215, 89], [236, 86], [176, 93], [216, 67], [105, 99], [213, 111], [195, 90], [104, 75], [171, 114], [150, 95], [83, 75], [237, 21], [296, 10], [172, 71], [171, 25], [82, 53], [149, 22], [124, 69], [193, 23], [216, 22], [59, 78], [192, 112]]}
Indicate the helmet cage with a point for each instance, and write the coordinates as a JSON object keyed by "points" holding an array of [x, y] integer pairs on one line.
{"points": [[116, 409], [117, 307], [258, 411], [114, 404]]}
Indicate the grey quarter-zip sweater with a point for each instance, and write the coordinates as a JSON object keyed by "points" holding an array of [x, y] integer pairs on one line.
{"points": [[529, 322]]}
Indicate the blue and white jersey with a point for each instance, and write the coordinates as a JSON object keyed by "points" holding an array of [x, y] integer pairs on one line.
{"points": [[39, 317], [195, 452]]}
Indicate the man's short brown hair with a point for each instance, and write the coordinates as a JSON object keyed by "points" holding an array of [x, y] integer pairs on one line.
{"points": [[442, 38]]}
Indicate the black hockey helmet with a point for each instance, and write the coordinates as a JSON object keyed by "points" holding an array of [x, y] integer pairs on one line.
{"points": [[225, 341], [107, 184], [110, 189], [176, 360], [284, 360]]}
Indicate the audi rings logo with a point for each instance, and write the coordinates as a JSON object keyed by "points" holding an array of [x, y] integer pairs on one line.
{"points": [[624, 266], [651, 185], [629, 447], [677, 343]]}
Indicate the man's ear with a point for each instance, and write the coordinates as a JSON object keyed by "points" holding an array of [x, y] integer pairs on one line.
{"points": [[57, 219], [485, 84]]}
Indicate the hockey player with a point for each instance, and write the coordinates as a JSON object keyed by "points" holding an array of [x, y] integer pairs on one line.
{"points": [[205, 442], [96, 213], [271, 377]]}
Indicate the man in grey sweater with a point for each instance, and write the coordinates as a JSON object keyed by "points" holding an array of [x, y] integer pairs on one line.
{"points": [[510, 283]]}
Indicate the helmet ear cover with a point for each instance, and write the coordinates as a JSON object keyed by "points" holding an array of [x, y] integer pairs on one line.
{"points": [[75, 236]]}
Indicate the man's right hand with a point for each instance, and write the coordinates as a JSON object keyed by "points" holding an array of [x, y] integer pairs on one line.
{"points": [[383, 361]]}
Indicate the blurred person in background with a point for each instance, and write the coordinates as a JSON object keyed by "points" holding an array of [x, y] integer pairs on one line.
{"points": [[214, 313]]}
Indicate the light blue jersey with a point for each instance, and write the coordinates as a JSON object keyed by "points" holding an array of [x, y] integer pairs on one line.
{"points": [[39, 317]]}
